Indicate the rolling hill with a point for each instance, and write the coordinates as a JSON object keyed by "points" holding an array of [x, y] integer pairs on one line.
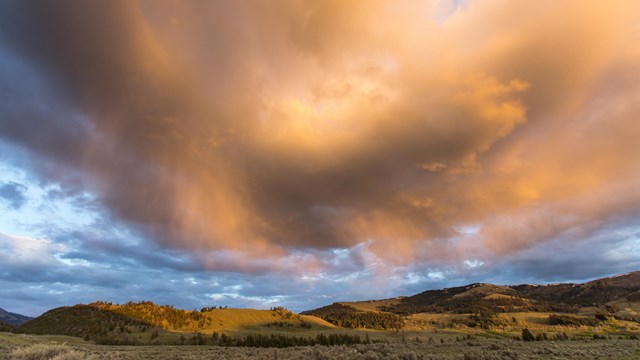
{"points": [[84, 321], [343, 315], [13, 318], [593, 293], [613, 301], [147, 323], [618, 294], [211, 319]]}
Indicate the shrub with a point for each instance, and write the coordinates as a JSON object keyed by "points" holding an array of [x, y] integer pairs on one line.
{"points": [[568, 320], [47, 352], [527, 335]]}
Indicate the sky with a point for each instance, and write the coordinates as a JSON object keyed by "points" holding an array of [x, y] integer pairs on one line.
{"points": [[297, 153]]}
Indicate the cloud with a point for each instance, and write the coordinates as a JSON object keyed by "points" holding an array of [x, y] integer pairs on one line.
{"points": [[25, 251], [332, 137], [13, 194], [165, 147]]}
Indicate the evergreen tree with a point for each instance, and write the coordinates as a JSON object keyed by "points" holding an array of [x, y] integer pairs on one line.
{"points": [[527, 335]]}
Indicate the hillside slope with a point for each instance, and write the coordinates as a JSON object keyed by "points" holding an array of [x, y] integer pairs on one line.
{"points": [[84, 321], [350, 317], [212, 319], [622, 291], [4, 327], [145, 322], [593, 293], [13, 318]]}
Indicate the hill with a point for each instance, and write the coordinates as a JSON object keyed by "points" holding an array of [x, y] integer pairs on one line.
{"points": [[472, 298], [593, 293], [615, 293], [609, 304], [350, 317], [87, 322], [4, 327], [147, 323], [211, 319], [13, 318]]}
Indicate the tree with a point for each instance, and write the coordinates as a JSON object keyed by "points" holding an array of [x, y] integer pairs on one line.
{"points": [[527, 335]]}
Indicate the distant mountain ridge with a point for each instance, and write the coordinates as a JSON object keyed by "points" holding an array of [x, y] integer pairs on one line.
{"points": [[13, 318], [593, 293], [488, 298]]}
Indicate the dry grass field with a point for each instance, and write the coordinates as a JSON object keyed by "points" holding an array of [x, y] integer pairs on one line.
{"points": [[29, 347], [425, 336]]}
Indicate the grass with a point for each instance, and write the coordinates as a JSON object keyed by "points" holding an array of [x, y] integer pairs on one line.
{"points": [[231, 319], [472, 348], [426, 336]]}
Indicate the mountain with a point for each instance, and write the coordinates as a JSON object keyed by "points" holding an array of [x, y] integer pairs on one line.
{"points": [[616, 294], [13, 318]]}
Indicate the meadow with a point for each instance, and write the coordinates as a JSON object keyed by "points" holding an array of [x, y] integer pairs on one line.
{"points": [[448, 346]]}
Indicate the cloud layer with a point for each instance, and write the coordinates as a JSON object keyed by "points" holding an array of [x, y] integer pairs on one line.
{"points": [[327, 138]]}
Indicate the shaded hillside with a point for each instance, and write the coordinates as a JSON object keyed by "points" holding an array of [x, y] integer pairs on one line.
{"points": [[487, 298], [593, 293], [4, 327], [84, 321], [349, 317], [13, 318], [474, 298]]}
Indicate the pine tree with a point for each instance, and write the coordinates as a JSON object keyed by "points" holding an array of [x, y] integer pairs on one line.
{"points": [[527, 335]]}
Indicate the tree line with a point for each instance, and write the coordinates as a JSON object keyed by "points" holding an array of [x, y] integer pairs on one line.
{"points": [[349, 317], [164, 316]]}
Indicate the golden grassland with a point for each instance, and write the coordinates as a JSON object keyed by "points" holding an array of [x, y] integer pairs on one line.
{"points": [[234, 319], [244, 322], [424, 336]]}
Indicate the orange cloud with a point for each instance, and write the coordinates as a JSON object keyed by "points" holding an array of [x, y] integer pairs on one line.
{"points": [[262, 128]]}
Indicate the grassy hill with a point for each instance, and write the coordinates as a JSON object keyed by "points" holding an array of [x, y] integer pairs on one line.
{"points": [[473, 298], [609, 306], [148, 323], [593, 293], [350, 317], [213, 319], [89, 323], [621, 291]]}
